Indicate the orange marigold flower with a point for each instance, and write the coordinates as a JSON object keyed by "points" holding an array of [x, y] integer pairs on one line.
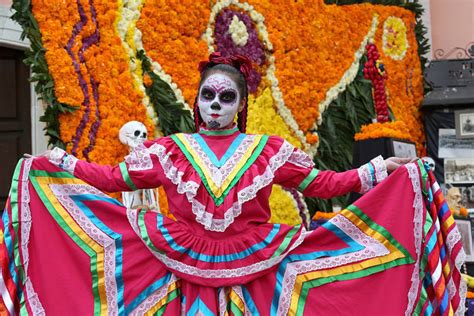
{"points": [[147, 80]]}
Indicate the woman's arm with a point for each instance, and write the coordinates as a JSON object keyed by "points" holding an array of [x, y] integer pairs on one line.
{"points": [[106, 178], [299, 172]]}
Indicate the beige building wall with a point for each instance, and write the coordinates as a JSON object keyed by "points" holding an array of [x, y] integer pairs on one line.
{"points": [[452, 28]]}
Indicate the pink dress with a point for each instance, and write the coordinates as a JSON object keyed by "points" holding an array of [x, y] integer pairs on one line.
{"points": [[79, 252]]}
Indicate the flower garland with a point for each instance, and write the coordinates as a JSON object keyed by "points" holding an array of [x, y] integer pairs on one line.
{"points": [[374, 70], [397, 129]]}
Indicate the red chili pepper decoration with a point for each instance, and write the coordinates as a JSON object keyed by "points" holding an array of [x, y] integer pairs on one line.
{"points": [[375, 71]]}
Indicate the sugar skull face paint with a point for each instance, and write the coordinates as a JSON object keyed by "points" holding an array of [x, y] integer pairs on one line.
{"points": [[219, 100]]}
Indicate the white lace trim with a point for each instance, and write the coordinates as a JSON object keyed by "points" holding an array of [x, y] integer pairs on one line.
{"points": [[372, 248], [244, 195], [63, 193], [32, 296], [380, 168], [222, 295], [56, 156], [301, 159], [365, 176], [418, 207], [63, 160], [154, 298], [140, 159], [214, 273]]}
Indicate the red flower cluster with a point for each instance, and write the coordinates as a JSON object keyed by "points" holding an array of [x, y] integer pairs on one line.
{"points": [[238, 61], [375, 72]]}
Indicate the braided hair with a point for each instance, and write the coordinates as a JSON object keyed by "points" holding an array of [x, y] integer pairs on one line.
{"points": [[241, 84]]}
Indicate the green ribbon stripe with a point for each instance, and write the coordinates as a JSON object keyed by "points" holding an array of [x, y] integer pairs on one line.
{"points": [[219, 200], [42, 173], [343, 277], [171, 296], [358, 274], [424, 261], [89, 251], [424, 176], [126, 176], [289, 236], [14, 219], [144, 232], [219, 132], [235, 309], [307, 181], [379, 229]]}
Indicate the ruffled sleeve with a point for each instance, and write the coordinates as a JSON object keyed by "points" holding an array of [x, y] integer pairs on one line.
{"points": [[299, 172], [140, 170]]}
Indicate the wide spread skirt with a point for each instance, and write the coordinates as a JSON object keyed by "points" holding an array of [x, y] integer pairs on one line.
{"points": [[68, 249]]}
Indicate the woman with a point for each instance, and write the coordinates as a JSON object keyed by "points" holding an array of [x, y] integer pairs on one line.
{"points": [[220, 255]]}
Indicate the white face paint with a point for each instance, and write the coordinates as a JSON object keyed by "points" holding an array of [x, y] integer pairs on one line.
{"points": [[219, 100]]}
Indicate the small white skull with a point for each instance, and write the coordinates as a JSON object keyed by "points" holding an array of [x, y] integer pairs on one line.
{"points": [[132, 134], [430, 162]]}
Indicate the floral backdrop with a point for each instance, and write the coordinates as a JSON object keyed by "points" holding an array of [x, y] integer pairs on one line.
{"points": [[101, 63]]}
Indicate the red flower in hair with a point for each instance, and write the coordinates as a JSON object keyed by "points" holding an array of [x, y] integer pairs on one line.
{"points": [[242, 63]]}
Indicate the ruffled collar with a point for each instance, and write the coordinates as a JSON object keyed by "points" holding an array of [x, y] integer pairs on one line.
{"points": [[218, 132]]}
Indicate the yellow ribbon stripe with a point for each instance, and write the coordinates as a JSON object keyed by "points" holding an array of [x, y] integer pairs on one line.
{"points": [[394, 253], [163, 301], [44, 183], [216, 190], [237, 300]]}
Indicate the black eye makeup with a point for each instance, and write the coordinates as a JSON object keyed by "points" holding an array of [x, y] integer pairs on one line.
{"points": [[207, 94], [228, 96]]}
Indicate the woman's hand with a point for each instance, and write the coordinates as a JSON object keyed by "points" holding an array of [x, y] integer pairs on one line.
{"points": [[46, 154], [393, 163]]}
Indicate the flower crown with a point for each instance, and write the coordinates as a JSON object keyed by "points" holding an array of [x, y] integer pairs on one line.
{"points": [[240, 62]]}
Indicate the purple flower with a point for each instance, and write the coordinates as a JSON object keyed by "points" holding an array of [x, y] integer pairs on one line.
{"points": [[253, 49]]}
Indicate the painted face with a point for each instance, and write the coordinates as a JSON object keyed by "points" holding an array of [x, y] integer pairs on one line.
{"points": [[219, 100]]}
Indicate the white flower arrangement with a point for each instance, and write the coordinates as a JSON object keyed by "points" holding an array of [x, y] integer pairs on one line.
{"points": [[238, 32], [128, 15]]}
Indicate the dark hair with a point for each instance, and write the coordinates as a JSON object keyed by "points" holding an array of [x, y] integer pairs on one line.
{"points": [[242, 85]]}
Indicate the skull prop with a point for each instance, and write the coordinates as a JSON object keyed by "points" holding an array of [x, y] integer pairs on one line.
{"points": [[430, 162], [132, 134]]}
